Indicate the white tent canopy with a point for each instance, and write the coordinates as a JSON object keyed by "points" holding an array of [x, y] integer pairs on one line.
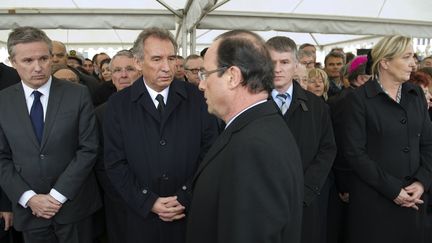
{"points": [[105, 23]]}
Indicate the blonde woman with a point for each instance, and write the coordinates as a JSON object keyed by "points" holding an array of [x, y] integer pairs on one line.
{"points": [[318, 82], [388, 144]]}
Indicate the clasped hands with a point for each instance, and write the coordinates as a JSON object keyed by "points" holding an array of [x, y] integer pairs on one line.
{"points": [[8, 219], [409, 196], [168, 209], [44, 206]]}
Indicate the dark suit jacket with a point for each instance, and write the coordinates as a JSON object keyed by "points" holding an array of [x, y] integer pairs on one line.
{"points": [[249, 187], [147, 157], [64, 159], [388, 145]]}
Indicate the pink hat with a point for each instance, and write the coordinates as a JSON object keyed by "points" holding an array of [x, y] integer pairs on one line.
{"points": [[356, 62]]}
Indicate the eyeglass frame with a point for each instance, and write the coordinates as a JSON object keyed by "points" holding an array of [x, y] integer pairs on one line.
{"points": [[203, 74], [193, 70]]}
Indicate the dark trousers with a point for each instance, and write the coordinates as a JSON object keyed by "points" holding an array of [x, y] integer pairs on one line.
{"points": [[79, 232]]}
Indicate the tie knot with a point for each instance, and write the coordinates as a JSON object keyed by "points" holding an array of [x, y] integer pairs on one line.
{"points": [[37, 95], [160, 99], [282, 96]]}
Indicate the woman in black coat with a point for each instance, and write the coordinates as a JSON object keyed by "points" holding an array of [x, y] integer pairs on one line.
{"points": [[388, 144]]}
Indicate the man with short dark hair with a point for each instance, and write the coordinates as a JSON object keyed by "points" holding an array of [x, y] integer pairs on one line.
{"points": [[155, 134], [46, 159], [308, 118], [333, 63], [249, 186]]}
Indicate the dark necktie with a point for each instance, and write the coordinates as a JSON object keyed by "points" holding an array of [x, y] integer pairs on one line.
{"points": [[161, 105], [36, 115]]}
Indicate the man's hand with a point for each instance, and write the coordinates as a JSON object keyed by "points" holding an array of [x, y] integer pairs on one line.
{"points": [[168, 209], [410, 198], [8, 218], [44, 206], [344, 196]]}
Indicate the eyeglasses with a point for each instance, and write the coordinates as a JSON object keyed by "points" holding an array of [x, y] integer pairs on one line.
{"points": [[193, 70], [127, 69], [203, 74]]}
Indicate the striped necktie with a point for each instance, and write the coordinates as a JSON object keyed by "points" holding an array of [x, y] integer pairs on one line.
{"points": [[284, 106]]}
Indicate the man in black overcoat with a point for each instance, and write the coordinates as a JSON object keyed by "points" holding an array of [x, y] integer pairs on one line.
{"points": [[155, 134], [308, 118], [249, 187]]}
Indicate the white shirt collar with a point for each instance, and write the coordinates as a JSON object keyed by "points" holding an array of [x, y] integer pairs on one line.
{"points": [[44, 89], [154, 93], [247, 108], [288, 91]]}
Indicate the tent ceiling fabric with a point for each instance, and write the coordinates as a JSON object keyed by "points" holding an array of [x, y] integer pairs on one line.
{"points": [[107, 21]]}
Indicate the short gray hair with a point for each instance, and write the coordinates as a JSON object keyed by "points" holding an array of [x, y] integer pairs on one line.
{"points": [[122, 53], [283, 44], [156, 32], [26, 34]]}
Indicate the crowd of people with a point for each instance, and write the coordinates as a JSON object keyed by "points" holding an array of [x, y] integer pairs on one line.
{"points": [[250, 141]]}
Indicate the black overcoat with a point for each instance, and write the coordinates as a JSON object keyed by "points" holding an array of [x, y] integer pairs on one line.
{"points": [[249, 187], [388, 145], [308, 118], [147, 156]]}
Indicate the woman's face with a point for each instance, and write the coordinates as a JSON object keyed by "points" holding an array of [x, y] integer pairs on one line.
{"points": [[106, 72], [400, 68], [316, 85]]}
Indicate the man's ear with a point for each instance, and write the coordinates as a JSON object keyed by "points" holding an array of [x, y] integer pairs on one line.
{"points": [[137, 63], [235, 77]]}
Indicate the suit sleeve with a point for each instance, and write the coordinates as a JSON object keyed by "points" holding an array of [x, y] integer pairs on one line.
{"points": [[14, 186], [78, 170], [355, 150], [138, 197], [318, 170], [5, 204]]}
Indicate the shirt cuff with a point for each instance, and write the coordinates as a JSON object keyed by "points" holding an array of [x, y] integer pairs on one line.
{"points": [[25, 197], [58, 196]]}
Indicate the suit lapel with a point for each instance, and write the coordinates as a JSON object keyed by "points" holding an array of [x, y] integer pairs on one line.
{"points": [[54, 101], [299, 96], [140, 94], [177, 93], [23, 114]]}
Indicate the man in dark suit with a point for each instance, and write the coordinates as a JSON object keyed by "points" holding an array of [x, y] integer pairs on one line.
{"points": [[308, 118], [156, 132], [249, 187], [124, 74], [48, 146]]}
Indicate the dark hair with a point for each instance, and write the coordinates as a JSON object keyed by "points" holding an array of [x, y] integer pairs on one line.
{"points": [[420, 78], [26, 34], [427, 70], [247, 51], [104, 61], [203, 52], [334, 54]]}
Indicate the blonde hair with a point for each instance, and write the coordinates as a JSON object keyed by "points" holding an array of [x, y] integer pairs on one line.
{"points": [[319, 73], [388, 47]]}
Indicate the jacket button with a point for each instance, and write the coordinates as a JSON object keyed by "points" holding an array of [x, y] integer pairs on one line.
{"points": [[42, 156], [403, 121], [162, 142], [406, 149], [144, 191], [184, 188]]}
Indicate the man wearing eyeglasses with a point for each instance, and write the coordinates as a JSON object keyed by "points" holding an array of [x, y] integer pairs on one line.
{"points": [[155, 134], [249, 186], [193, 64], [124, 74]]}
